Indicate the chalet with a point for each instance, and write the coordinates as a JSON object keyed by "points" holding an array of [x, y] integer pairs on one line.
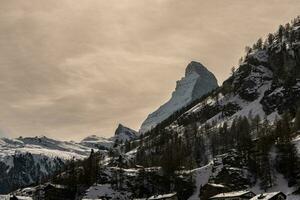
{"points": [[270, 196], [238, 195], [171, 196], [57, 192], [211, 189], [13, 197], [51, 191], [20, 198]]}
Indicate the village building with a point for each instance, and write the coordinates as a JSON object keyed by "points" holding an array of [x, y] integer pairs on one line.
{"points": [[237, 195], [270, 196], [171, 196], [211, 189], [14, 197], [51, 191]]}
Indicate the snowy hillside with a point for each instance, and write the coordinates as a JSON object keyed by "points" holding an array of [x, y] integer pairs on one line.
{"points": [[30, 158], [42, 145], [233, 105], [197, 82]]}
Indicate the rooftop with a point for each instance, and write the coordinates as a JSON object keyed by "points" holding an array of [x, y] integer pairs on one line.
{"points": [[265, 196], [162, 196]]}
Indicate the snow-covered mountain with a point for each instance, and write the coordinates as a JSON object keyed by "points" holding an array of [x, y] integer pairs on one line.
{"points": [[42, 146], [196, 82], [24, 161]]}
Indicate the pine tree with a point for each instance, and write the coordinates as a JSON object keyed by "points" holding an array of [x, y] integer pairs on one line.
{"points": [[297, 121], [248, 50], [264, 165], [287, 160], [90, 168], [259, 44], [233, 71], [255, 124], [270, 38], [281, 31], [244, 140], [286, 134]]}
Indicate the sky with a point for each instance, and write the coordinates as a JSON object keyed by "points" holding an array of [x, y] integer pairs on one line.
{"points": [[72, 68]]}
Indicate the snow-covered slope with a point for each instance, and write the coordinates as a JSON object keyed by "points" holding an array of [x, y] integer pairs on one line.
{"points": [[42, 146], [26, 160], [247, 100], [29, 159], [197, 82], [259, 87]]}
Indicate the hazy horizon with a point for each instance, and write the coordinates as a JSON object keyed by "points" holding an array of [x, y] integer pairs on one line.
{"points": [[69, 69]]}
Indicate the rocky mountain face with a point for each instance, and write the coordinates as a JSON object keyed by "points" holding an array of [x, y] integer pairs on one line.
{"points": [[196, 82], [266, 84], [123, 134]]}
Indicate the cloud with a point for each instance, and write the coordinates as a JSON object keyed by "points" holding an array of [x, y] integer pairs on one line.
{"points": [[73, 68]]}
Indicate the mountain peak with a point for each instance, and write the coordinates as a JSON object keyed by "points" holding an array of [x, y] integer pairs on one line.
{"points": [[197, 82], [196, 67], [124, 133], [120, 128]]}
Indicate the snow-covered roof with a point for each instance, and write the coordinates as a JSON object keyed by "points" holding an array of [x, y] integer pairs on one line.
{"points": [[58, 186], [162, 196], [231, 194], [7, 197], [266, 196], [216, 185], [91, 199]]}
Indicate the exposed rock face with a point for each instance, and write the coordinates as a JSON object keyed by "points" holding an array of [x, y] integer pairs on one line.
{"points": [[123, 134], [197, 82]]}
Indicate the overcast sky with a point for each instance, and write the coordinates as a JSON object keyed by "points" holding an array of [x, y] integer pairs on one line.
{"points": [[71, 68]]}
